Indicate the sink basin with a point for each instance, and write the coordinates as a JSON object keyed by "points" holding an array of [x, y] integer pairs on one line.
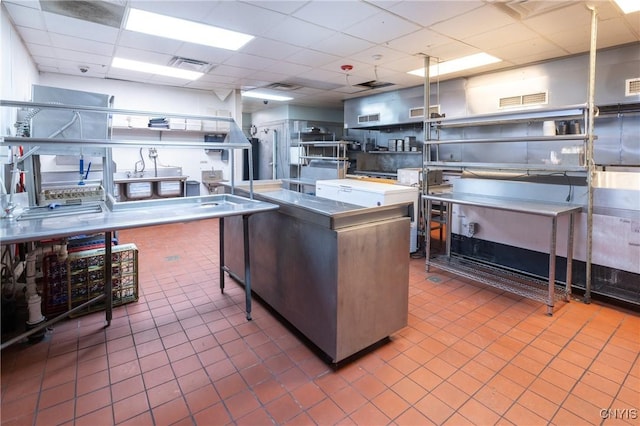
{"points": [[150, 173], [60, 210]]}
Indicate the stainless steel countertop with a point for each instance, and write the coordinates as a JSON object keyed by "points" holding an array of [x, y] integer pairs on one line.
{"points": [[134, 214], [510, 204], [324, 212]]}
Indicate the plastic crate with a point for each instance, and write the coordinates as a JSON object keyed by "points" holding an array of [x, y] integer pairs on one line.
{"points": [[86, 277], [55, 286]]}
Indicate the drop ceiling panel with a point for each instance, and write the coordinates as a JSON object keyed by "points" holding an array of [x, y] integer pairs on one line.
{"points": [[288, 68], [311, 58], [382, 27], [419, 41], [41, 51], [509, 34], [81, 57], [343, 45], [25, 16], [30, 35], [243, 17], [82, 45], [148, 42], [285, 7], [429, 13], [298, 33], [77, 28], [270, 49], [337, 15], [473, 23]]}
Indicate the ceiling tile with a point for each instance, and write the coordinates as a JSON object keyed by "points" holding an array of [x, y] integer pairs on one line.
{"points": [[298, 33], [286, 7], [311, 58], [473, 23], [382, 27], [270, 49], [243, 17], [431, 12], [249, 61], [30, 35], [512, 33], [342, 45], [337, 15], [148, 42], [82, 45], [25, 16], [419, 41], [77, 28]]}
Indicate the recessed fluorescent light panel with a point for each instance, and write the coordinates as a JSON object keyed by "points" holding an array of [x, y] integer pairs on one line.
{"points": [[183, 30], [628, 6], [460, 64], [265, 96], [146, 67]]}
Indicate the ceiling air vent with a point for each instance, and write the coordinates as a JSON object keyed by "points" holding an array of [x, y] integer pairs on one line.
{"points": [[190, 64], [283, 86], [539, 98], [632, 87], [368, 118], [374, 84]]}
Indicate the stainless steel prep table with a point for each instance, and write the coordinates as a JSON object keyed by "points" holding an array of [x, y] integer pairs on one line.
{"points": [[337, 272], [129, 215], [539, 208]]}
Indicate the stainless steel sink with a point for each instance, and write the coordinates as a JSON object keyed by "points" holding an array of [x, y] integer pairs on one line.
{"points": [[58, 211]]}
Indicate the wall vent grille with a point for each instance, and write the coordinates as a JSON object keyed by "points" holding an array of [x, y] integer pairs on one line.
{"points": [[632, 87], [419, 111], [539, 98], [368, 118]]}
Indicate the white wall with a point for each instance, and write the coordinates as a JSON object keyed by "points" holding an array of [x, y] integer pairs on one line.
{"points": [[18, 72], [160, 99]]}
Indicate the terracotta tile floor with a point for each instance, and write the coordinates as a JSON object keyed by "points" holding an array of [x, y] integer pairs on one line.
{"points": [[184, 354]]}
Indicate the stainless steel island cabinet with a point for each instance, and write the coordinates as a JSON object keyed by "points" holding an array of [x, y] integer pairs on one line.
{"points": [[337, 272]]}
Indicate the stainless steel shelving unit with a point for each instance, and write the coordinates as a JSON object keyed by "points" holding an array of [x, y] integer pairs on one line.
{"points": [[547, 291]]}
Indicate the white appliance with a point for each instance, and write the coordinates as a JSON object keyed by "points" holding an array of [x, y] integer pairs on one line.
{"points": [[371, 194]]}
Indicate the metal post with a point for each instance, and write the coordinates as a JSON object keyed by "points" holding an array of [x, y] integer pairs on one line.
{"points": [[589, 153], [247, 267], [552, 266], [569, 276], [108, 279], [221, 248]]}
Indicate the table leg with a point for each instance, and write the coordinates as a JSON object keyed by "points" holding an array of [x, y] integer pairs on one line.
{"points": [[569, 277], [552, 266], [247, 265], [221, 249], [108, 278], [427, 237]]}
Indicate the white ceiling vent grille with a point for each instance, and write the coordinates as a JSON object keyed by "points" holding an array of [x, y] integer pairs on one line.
{"points": [[539, 98], [632, 87], [190, 64], [368, 118], [283, 86]]}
